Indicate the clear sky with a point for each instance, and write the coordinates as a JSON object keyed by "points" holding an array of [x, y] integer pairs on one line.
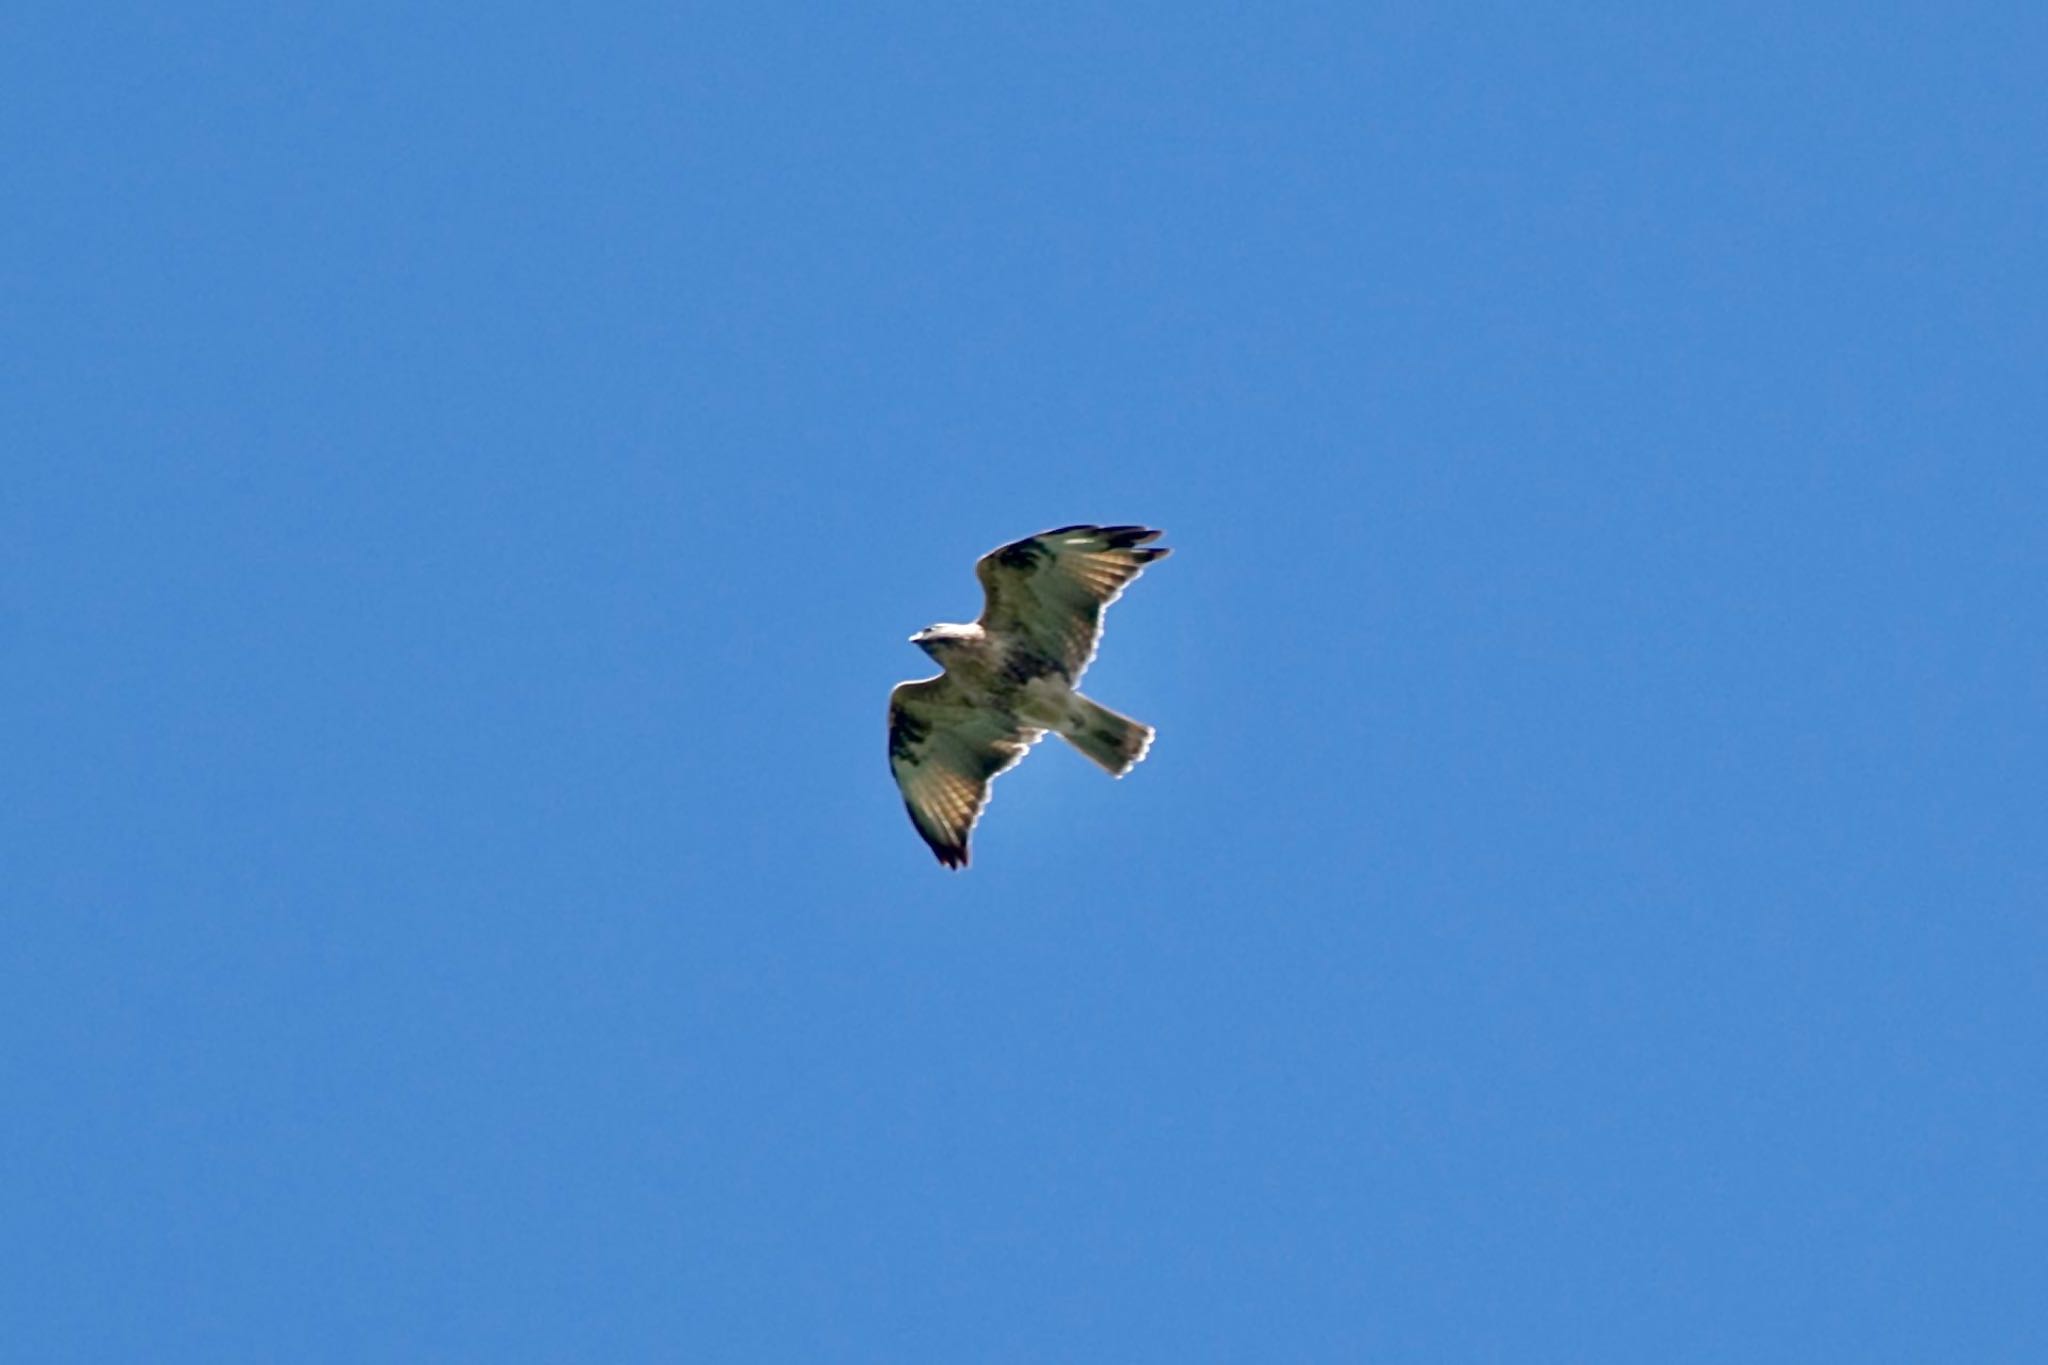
{"points": [[470, 474]]}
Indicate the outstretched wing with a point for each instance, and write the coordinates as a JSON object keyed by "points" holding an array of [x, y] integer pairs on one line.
{"points": [[1050, 589], [945, 752]]}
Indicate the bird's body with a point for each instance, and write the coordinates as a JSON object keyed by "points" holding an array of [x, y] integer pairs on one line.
{"points": [[1011, 676]]}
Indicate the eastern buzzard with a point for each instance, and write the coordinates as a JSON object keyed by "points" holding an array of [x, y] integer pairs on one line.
{"points": [[1010, 677]]}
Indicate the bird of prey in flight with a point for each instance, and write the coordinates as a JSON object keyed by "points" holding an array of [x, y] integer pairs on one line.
{"points": [[1010, 677]]}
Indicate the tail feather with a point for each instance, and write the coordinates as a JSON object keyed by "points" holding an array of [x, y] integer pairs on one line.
{"points": [[1115, 741]]}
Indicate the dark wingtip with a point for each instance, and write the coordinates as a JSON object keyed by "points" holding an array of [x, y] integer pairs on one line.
{"points": [[1120, 537], [951, 854]]}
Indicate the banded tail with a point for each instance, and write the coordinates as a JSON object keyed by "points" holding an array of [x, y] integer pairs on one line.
{"points": [[1115, 741]]}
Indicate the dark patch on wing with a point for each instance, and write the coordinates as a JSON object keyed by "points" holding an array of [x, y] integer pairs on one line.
{"points": [[906, 732], [1022, 555]]}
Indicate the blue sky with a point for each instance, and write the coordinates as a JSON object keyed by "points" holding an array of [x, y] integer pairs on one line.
{"points": [[471, 473]]}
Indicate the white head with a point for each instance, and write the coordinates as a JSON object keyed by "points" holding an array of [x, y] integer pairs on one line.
{"points": [[941, 640]]}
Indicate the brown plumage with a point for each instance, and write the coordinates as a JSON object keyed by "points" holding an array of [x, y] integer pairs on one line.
{"points": [[1010, 677]]}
